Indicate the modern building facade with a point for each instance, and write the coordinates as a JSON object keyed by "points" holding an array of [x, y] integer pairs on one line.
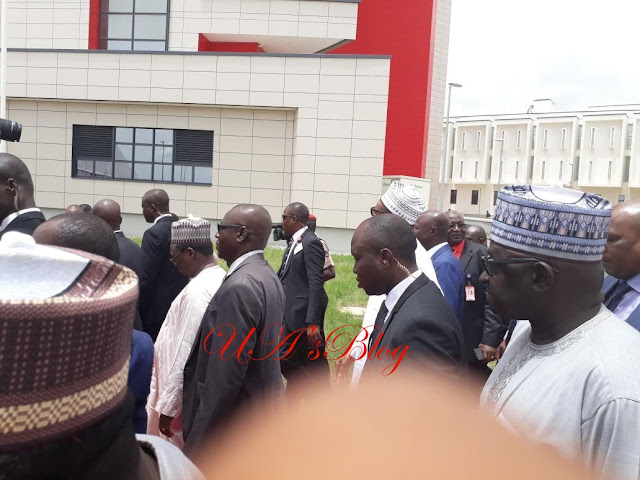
{"points": [[222, 102], [596, 151]]}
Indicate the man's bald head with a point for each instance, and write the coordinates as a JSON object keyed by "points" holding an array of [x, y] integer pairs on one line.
{"points": [[244, 228], [17, 183], [476, 234], [300, 210], [73, 209], [155, 203], [431, 228], [81, 232], [109, 211], [257, 220], [621, 258]]}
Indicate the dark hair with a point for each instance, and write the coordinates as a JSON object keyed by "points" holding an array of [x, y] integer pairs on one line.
{"points": [[72, 455], [88, 233], [85, 208], [392, 232], [204, 249]]}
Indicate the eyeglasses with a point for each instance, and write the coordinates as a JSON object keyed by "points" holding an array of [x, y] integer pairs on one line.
{"points": [[284, 217], [223, 226], [459, 226], [375, 211], [173, 259], [489, 263]]}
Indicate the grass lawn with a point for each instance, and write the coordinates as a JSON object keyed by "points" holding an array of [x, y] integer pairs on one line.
{"points": [[343, 291]]}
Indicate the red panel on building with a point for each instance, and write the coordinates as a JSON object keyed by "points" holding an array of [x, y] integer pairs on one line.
{"points": [[405, 30], [94, 24], [206, 45]]}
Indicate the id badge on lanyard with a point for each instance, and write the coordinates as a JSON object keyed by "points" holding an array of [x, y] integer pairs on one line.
{"points": [[469, 290]]}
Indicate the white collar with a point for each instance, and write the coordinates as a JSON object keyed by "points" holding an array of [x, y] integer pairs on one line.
{"points": [[397, 291], [161, 216], [10, 218], [296, 236], [117, 231], [238, 261], [433, 250]]}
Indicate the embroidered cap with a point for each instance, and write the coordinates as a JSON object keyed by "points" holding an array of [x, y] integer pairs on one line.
{"points": [[66, 341], [554, 222], [404, 200], [191, 231]]}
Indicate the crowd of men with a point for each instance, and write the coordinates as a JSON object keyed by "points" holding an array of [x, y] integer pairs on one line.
{"points": [[175, 347]]}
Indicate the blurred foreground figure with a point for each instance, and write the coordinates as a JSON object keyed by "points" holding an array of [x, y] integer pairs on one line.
{"points": [[570, 377], [66, 414], [416, 428], [476, 234]]}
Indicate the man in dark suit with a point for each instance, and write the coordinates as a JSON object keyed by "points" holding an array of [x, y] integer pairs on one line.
{"points": [[621, 260], [414, 324], [161, 281], [131, 255], [431, 230], [301, 274], [18, 212], [481, 327], [234, 360]]}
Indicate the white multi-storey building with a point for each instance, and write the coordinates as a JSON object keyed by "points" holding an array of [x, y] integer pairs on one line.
{"points": [[594, 151]]}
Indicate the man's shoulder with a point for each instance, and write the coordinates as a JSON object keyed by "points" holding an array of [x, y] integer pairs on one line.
{"points": [[474, 248], [421, 299], [172, 463]]}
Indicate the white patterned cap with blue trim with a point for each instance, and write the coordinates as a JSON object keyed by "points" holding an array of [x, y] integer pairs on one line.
{"points": [[553, 222]]}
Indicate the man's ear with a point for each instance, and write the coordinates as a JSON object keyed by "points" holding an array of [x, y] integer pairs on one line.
{"points": [[386, 257], [243, 233], [543, 277]]}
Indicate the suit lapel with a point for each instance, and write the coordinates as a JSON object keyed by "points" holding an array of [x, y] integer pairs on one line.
{"points": [[287, 265], [411, 289], [467, 254]]}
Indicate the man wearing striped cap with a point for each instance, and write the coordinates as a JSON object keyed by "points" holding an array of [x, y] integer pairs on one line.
{"points": [[570, 376], [192, 254]]}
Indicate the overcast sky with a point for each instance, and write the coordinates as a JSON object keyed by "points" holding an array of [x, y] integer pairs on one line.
{"points": [[506, 53]]}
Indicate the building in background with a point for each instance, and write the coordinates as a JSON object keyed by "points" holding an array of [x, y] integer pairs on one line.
{"points": [[596, 151], [222, 102]]}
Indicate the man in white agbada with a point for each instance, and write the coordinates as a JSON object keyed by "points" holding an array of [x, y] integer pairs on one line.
{"points": [[570, 377], [192, 253], [403, 200]]}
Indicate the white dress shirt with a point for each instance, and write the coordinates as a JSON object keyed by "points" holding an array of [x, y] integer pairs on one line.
{"points": [[10, 218], [631, 300], [161, 216], [433, 250], [238, 261], [294, 239]]}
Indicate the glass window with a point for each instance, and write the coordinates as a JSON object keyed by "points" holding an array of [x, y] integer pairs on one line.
{"points": [[122, 170], [134, 25], [475, 194], [127, 153], [150, 27], [453, 199], [144, 154], [142, 171]]}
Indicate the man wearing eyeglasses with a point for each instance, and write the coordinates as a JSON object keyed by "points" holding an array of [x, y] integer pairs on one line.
{"points": [[301, 274], [481, 327], [570, 377], [232, 363]]}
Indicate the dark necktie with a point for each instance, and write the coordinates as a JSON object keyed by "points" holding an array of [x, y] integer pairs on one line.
{"points": [[616, 297], [377, 328], [285, 257]]}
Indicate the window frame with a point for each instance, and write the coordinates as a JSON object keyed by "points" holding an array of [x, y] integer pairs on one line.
{"points": [[152, 162], [475, 193], [105, 39], [453, 196]]}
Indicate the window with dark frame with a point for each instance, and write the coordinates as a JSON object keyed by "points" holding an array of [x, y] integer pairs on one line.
{"points": [[134, 25], [495, 197], [453, 198], [475, 194], [143, 154]]}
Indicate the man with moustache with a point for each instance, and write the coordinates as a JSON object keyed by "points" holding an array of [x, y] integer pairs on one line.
{"points": [[241, 324], [570, 377], [414, 320]]}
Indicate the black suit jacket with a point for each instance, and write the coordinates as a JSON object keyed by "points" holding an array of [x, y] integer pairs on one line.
{"points": [[479, 324], [131, 256], [25, 223], [161, 282], [423, 321], [303, 286], [217, 383]]}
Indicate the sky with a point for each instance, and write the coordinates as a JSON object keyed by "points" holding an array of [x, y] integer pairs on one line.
{"points": [[507, 53]]}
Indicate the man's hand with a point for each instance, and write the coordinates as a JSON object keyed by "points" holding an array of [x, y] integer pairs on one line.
{"points": [[488, 353], [313, 334], [500, 350], [341, 371], [165, 425]]}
